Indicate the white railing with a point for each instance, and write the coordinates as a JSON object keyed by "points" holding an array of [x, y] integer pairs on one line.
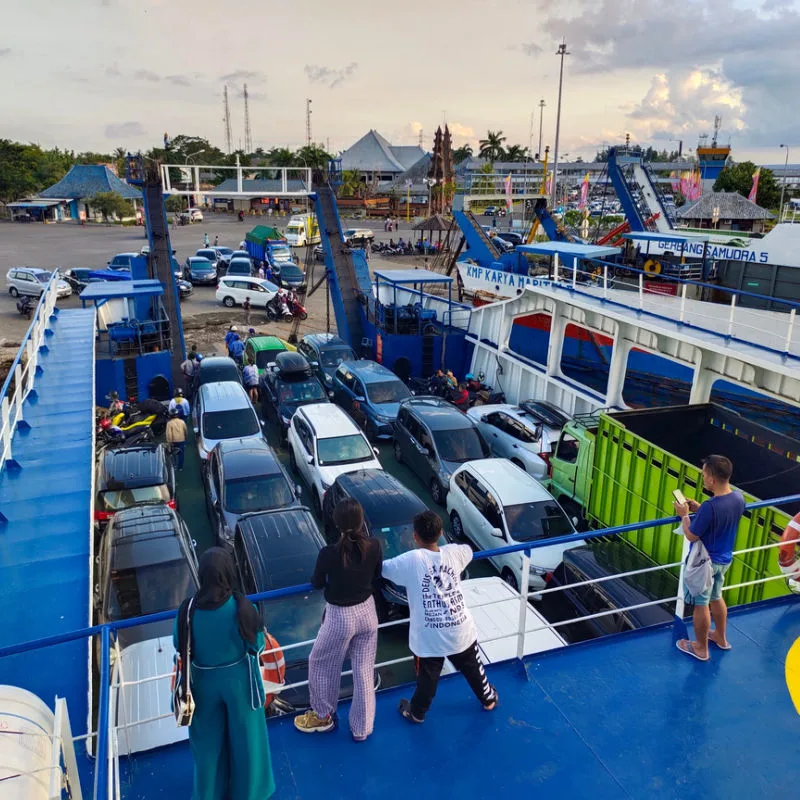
{"points": [[23, 370]]}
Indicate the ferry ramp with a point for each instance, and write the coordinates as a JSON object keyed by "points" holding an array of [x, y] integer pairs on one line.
{"points": [[45, 510]]}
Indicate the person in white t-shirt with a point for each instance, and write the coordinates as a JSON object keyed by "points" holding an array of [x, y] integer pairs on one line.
{"points": [[440, 623]]}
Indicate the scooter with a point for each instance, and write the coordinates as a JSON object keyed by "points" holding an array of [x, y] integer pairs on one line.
{"points": [[25, 306], [110, 435], [277, 310], [293, 304]]}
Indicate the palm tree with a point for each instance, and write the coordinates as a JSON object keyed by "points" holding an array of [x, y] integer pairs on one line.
{"points": [[492, 146], [460, 153], [516, 153], [351, 182]]}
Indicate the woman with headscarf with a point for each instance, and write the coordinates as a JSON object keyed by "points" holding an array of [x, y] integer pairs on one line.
{"points": [[348, 571], [228, 734]]}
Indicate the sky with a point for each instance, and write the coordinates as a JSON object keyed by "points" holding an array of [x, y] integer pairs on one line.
{"points": [[100, 74]]}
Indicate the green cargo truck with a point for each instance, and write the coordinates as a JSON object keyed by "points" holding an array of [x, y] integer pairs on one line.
{"points": [[620, 467]]}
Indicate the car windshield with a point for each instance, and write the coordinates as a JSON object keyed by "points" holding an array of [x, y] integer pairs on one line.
{"points": [[231, 424], [42, 277], [209, 254], [149, 589], [226, 372], [281, 253], [332, 358], [225, 251], [202, 264], [264, 357], [125, 498], [291, 271], [398, 539], [300, 392], [543, 519], [257, 493], [293, 229], [464, 444], [343, 450], [387, 392]]}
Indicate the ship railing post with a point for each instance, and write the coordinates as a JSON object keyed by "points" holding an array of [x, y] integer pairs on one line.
{"points": [[683, 304], [19, 394], [555, 267], [5, 431], [731, 315], [641, 291], [524, 580], [30, 364], [574, 271], [101, 750], [789, 331], [605, 281]]}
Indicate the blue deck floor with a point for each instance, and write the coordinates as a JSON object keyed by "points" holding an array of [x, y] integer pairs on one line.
{"points": [[627, 716], [44, 546]]}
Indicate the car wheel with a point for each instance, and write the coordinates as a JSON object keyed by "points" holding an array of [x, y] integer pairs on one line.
{"points": [[398, 452], [317, 503], [13, 291], [437, 493], [457, 527], [292, 461], [229, 302], [303, 315], [518, 463], [510, 578]]}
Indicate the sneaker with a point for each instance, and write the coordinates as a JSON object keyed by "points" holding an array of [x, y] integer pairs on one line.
{"points": [[405, 712], [359, 738], [311, 723], [495, 700]]}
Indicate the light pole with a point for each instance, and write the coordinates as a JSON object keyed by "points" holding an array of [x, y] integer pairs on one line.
{"points": [[783, 182], [541, 119], [561, 52], [186, 163]]}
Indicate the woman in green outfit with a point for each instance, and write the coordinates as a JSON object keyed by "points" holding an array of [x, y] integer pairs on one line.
{"points": [[228, 734]]}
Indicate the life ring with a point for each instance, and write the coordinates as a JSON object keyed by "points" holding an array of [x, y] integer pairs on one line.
{"points": [[652, 267], [789, 553], [273, 667]]}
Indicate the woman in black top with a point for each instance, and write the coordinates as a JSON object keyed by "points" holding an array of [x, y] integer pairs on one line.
{"points": [[347, 571]]}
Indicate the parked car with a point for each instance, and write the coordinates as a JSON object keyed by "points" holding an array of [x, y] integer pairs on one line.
{"points": [[78, 278], [240, 254], [232, 290], [123, 261], [210, 254], [191, 215], [526, 434], [223, 411], [217, 369], [291, 277], [490, 211], [512, 237], [263, 350], [243, 477], [597, 559], [242, 267], [287, 384], [185, 288], [319, 254], [434, 438], [371, 394], [325, 443], [389, 509], [493, 503], [32, 281], [358, 236], [325, 352], [131, 476], [225, 254], [199, 271]]}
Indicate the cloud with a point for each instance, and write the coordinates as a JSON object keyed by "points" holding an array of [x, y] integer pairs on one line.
{"points": [[531, 48], [461, 133], [121, 130], [113, 71], [146, 75], [328, 76], [241, 76]]}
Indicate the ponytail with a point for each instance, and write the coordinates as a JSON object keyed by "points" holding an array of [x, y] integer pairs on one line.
{"points": [[348, 517]]}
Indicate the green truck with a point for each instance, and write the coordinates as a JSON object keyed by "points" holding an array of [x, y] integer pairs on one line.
{"points": [[620, 467]]}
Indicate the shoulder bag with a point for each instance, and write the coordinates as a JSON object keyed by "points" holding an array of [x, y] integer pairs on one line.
{"points": [[182, 700]]}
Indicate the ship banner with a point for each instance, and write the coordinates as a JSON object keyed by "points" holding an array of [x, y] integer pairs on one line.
{"points": [[496, 282]]}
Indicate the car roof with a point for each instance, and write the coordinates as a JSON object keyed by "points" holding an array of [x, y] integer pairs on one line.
{"points": [[508, 483], [131, 467], [145, 522], [319, 340], [221, 363], [241, 260], [145, 535], [328, 420], [369, 371], [33, 270], [242, 458], [383, 497], [282, 546], [266, 343], [223, 396], [438, 414], [200, 258]]}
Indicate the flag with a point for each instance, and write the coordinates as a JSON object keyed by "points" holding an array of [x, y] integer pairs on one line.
{"points": [[584, 192], [508, 191], [549, 182], [675, 180], [754, 191]]}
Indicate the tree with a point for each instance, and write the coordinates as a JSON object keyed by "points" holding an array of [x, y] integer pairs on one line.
{"points": [[175, 203], [460, 153], [492, 146], [111, 204], [351, 182], [313, 156], [280, 157], [516, 153], [739, 178]]}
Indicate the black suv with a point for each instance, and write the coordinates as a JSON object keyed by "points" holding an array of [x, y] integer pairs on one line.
{"points": [[286, 386], [146, 564], [132, 476], [434, 438], [325, 351]]}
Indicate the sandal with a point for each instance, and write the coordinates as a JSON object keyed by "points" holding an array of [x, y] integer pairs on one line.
{"points": [[405, 712], [727, 645], [689, 649]]}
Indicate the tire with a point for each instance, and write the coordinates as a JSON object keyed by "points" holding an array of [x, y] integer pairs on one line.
{"points": [[398, 452], [317, 504], [303, 315], [292, 462], [457, 527], [510, 578], [228, 302], [437, 493], [13, 291]]}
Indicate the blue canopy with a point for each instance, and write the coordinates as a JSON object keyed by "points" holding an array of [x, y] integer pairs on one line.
{"points": [[114, 290]]}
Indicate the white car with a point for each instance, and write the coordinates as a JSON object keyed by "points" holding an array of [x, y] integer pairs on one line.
{"points": [[525, 434], [494, 503], [324, 443], [223, 411], [32, 281], [192, 215], [358, 235], [233, 289]]}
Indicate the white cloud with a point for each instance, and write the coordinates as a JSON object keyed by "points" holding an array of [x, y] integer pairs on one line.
{"points": [[329, 76], [121, 130]]}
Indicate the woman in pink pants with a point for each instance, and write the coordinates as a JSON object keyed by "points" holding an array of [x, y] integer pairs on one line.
{"points": [[347, 571]]}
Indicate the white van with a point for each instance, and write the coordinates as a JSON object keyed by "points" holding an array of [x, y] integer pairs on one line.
{"points": [[232, 290], [303, 230], [223, 411]]}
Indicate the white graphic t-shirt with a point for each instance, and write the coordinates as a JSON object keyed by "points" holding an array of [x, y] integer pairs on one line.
{"points": [[440, 623]]}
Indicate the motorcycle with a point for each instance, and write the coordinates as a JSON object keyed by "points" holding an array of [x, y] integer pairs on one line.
{"points": [[110, 435], [240, 215], [25, 306], [293, 304], [134, 416], [278, 309]]}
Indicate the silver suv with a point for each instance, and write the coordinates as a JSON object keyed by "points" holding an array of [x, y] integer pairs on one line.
{"points": [[32, 281]]}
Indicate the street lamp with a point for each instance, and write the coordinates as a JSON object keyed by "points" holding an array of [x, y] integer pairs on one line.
{"points": [[562, 51], [783, 182]]}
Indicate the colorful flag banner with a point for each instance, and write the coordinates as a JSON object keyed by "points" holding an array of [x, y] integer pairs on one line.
{"points": [[584, 192], [508, 192], [754, 191]]}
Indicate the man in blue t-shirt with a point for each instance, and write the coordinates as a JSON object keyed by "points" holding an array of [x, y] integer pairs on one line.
{"points": [[715, 524]]}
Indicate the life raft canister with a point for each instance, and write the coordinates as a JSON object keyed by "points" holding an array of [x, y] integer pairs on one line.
{"points": [[652, 267]]}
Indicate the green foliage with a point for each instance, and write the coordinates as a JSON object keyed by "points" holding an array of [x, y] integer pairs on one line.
{"points": [[739, 178], [26, 169], [492, 146], [351, 183], [516, 152], [460, 153], [111, 204], [175, 203]]}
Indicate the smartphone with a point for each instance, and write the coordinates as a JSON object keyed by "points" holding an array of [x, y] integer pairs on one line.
{"points": [[679, 498]]}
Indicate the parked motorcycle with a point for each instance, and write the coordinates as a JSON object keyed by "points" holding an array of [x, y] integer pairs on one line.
{"points": [[278, 309], [25, 306], [293, 304], [110, 435]]}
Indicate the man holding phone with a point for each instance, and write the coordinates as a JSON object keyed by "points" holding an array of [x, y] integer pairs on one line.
{"points": [[715, 523]]}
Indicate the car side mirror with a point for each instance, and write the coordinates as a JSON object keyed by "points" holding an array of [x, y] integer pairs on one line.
{"points": [[483, 418], [298, 490], [196, 431], [309, 459], [361, 399], [331, 395], [575, 521], [376, 451], [498, 533]]}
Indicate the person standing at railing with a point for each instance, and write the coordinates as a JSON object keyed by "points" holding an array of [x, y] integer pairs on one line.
{"points": [[228, 733], [715, 524], [348, 572], [440, 625]]}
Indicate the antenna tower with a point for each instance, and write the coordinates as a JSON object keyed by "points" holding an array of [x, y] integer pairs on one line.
{"points": [[308, 122], [227, 121], [248, 134]]}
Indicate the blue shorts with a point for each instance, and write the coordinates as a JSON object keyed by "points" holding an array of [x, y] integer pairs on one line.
{"points": [[714, 592]]}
